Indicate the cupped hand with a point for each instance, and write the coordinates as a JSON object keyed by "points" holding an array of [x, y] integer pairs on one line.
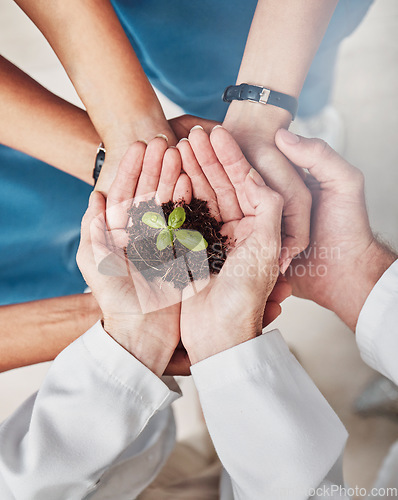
{"points": [[143, 317], [281, 176], [344, 260], [229, 310]]}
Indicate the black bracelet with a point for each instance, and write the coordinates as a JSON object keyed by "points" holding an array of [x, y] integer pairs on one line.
{"points": [[255, 93], [99, 161]]}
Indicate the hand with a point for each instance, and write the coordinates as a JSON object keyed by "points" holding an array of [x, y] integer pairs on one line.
{"points": [[258, 146], [174, 129], [344, 260], [182, 125], [116, 147], [229, 310], [118, 288]]}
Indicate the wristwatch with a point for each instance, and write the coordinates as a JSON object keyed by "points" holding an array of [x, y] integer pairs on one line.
{"points": [[255, 93], [99, 161]]}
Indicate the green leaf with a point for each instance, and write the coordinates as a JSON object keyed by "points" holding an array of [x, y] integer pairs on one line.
{"points": [[191, 239], [153, 219], [177, 218], [164, 239]]}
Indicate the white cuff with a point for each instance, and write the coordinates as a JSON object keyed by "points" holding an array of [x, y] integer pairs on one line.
{"points": [[228, 366], [377, 327], [123, 368]]}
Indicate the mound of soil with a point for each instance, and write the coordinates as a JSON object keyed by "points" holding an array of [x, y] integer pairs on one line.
{"points": [[175, 263]]}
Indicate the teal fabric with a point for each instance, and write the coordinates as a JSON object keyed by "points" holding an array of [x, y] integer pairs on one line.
{"points": [[40, 214], [191, 50]]}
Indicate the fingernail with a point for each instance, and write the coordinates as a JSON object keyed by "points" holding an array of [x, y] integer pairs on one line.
{"points": [[162, 136], [197, 127], [172, 147], [288, 136], [284, 265], [143, 141], [217, 126], [256, 177], [184, 139]]}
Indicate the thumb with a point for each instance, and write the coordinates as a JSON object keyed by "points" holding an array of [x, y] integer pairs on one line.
{"points": [[317, 156], [267, 206]]}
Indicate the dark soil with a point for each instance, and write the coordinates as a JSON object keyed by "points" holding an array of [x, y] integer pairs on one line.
{"points": [[175, 264]]}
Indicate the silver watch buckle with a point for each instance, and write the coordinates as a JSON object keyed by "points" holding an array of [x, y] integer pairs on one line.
{"points": [[101, 148], [264, 96]]}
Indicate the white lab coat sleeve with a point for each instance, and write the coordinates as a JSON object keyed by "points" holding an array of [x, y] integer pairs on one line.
{"points": [[276, 435], [377, 327], [377, 339], [95, 405]]}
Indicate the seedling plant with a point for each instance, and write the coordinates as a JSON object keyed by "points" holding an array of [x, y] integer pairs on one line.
{"points": [[171, 231]]}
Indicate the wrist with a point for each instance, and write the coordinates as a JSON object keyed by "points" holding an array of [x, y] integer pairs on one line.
{"points": [[89, 307], [221, 340], [369, 268], [246, 119], [142, 126], [117, 144], [137, 338]]}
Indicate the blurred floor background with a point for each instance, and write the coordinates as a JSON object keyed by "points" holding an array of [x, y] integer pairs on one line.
{"points": [[366, 95]]}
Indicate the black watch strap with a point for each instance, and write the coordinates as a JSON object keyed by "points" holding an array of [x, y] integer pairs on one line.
{"points": [[99, 161], [254, 93]]}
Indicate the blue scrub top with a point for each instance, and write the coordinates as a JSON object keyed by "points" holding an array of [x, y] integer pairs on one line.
{"points": [[40, 214], [179, 42], [192, 49]]}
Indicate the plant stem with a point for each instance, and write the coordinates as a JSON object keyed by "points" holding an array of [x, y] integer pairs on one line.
{"points": [[172, 241]]}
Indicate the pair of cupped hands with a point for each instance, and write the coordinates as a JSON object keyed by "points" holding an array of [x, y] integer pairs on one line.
{"points": [[168, 329]]}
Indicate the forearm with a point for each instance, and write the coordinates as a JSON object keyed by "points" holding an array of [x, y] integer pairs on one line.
{"points": [[38, 331], [41, 124], [106, 74], [283, 39], [349, 294]]}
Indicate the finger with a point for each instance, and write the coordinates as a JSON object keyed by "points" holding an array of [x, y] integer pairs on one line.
{"points": [[225, 193], [328, 167], [234, 163], [152, 165], [183, 189], [182, 125], [201, 188], [296, 227], [267, 206], [124, 185], [171, 169], [303, 173], [282, 177], [296, 214]]}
